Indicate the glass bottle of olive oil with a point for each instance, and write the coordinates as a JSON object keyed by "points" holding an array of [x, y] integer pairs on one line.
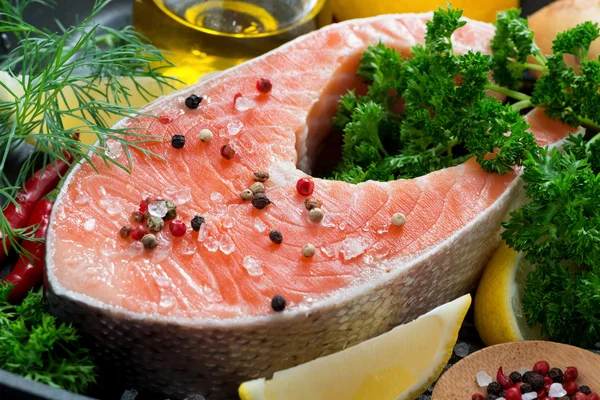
{"points": [[210, 35]]}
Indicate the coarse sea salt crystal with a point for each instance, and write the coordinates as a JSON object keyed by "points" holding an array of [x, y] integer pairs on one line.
{"points": [[226, 244], [252, 265], [244, 104], [259, 225], [557, 390], [529, 396], [114, 149], [233, 128], [228, 222], [483, 379], [158, 209], [352, 248], [89, 225], [82, 199], [182, 196]]}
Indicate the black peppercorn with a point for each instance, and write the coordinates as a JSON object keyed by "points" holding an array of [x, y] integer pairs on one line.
{"points": [[197, 222], [515, 377], [556, 375], [585, 390], [526, 388], [494, 388], [260, 201], [178, 141], [193, 101], [534, 379], [491, 397], [278, 303], [276, 236]]}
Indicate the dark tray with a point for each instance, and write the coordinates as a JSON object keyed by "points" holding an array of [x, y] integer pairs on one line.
{"points": [[118, 14]]}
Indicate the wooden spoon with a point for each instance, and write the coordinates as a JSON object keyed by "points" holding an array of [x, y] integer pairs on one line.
{"points": [[459, 382]]}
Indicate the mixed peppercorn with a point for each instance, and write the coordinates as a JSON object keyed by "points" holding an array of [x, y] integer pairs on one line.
{"points": [[147, 222], [541, 383]]}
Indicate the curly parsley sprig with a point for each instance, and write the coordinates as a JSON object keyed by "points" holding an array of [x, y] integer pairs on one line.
{"points": [[427, 112], [566, 95], [33, 344]]}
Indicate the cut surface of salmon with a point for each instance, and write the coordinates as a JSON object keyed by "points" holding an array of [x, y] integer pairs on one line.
{"points": [[213, 288]]}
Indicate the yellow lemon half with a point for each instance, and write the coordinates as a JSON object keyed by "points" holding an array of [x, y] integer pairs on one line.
{"points": [[498, 309], [400, 364]]}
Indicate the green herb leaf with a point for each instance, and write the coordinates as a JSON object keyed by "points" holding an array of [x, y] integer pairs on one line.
{"points": [[512, 44], [33, 344]]}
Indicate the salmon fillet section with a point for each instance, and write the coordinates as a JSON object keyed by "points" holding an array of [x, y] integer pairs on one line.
{"points": [[212, 289]]}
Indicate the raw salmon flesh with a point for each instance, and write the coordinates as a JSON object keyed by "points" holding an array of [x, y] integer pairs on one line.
{"points": [[194, 314]]}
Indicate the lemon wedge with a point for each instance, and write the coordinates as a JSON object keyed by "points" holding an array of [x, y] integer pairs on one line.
{"points": [[498, 308], [400, 364]]}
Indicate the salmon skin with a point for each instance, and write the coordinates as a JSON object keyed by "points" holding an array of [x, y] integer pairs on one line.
{"points": [[194, 315]]}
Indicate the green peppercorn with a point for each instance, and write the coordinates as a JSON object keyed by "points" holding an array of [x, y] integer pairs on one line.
{"points": [[197, 222], [171, 211], [155, 224], [149, 241], [246, 194], [257, 187], [316, 215]]}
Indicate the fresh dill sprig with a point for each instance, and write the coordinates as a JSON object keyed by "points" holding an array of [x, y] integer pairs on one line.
{"points": [[44, 66]]}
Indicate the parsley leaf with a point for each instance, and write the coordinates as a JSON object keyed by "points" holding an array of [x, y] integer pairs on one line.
{"points": [[33, 344], [511, 46]]}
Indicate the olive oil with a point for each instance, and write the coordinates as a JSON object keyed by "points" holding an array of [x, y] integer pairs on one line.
{"points": [[211, 35]]}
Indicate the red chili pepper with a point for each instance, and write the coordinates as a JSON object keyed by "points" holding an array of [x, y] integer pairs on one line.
{"points": [[28, 272], [39, 185], [503, 380]]}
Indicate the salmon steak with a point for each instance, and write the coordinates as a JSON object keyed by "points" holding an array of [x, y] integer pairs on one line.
{"points": [[195, 314]]}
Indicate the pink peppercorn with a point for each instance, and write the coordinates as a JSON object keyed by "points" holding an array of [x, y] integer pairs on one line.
{"points": [[541, 367], [477, 396], [139, 232], [177, 228], [305, 186], [570, 387], [513, 394], [571, 374], [264, 85]]}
